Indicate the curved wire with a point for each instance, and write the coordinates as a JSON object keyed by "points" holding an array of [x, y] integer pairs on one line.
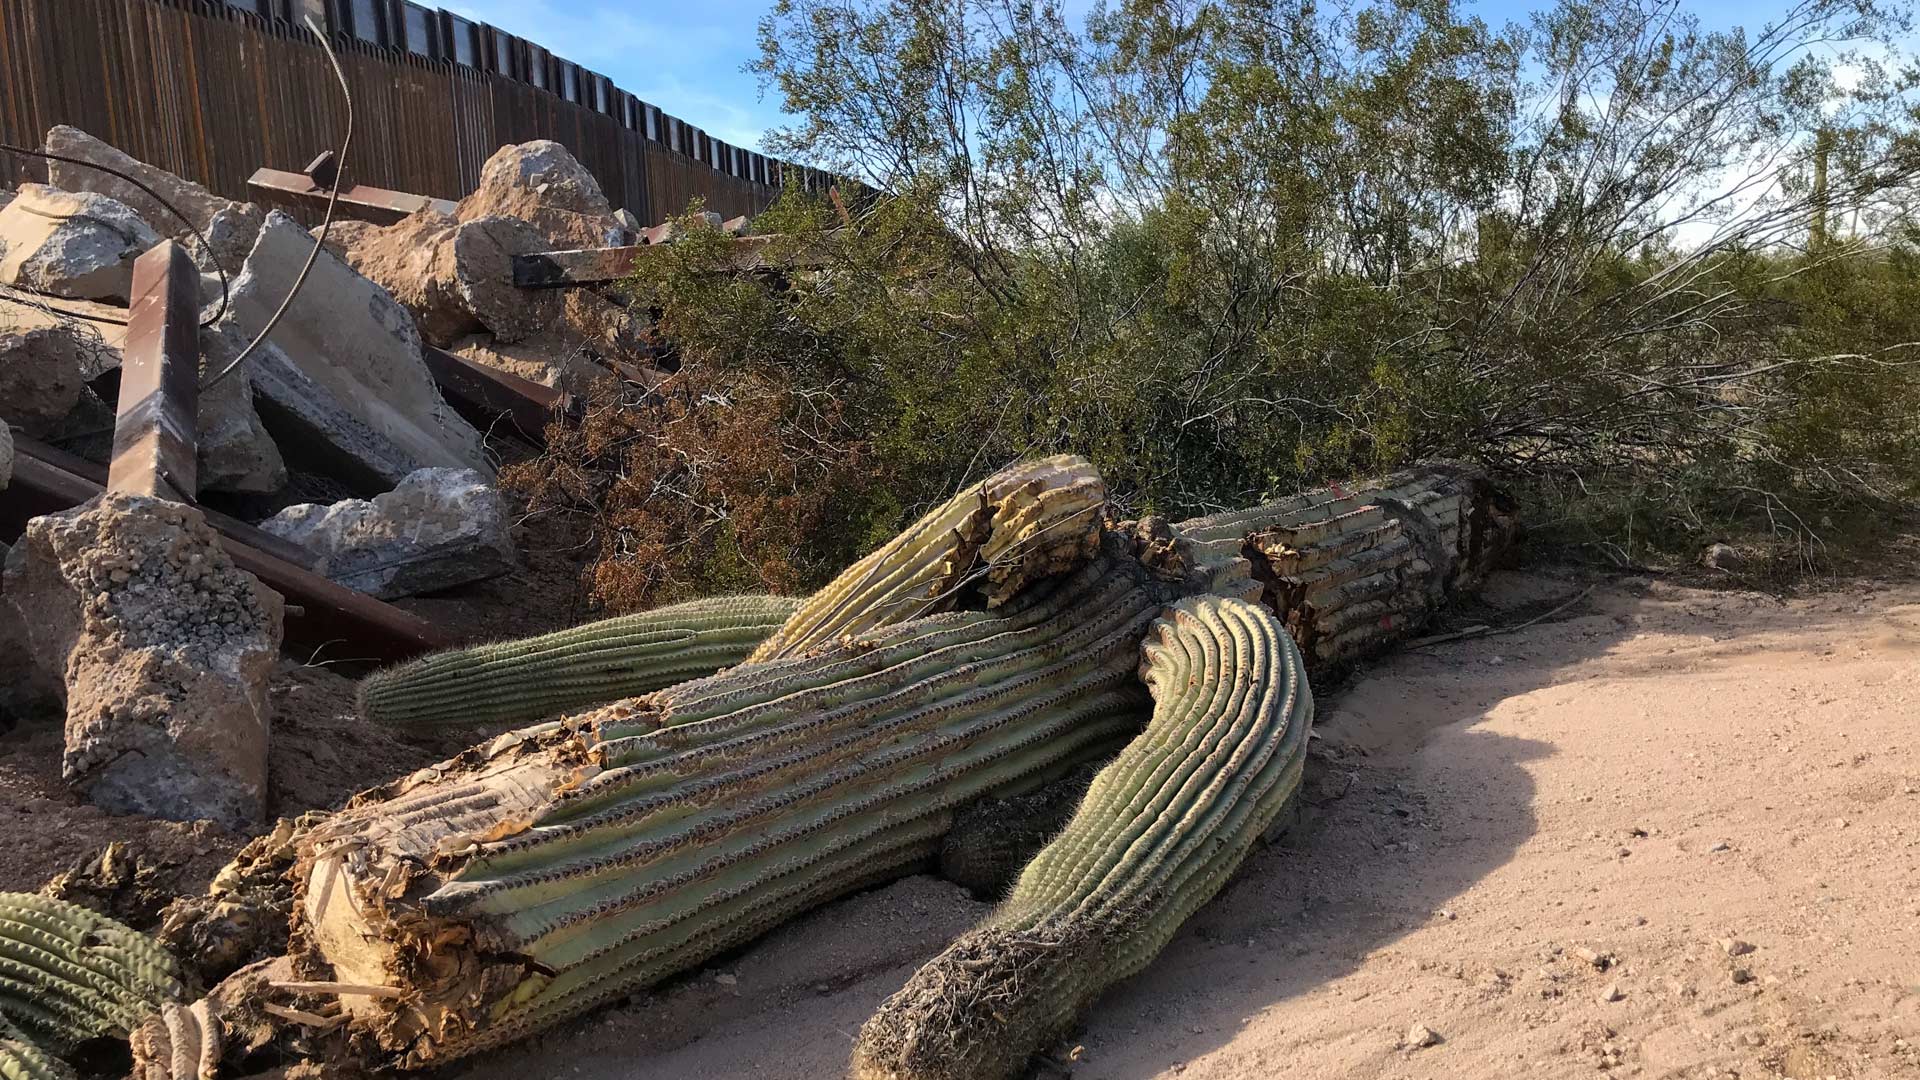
{"points": [[326, 223], [205, 244]]}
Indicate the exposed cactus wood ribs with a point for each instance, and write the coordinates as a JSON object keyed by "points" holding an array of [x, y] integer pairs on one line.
{"points": [[1160, 831], [538, 677], [1025, 522], [68, 975], [571, 863], [1349, 570]]}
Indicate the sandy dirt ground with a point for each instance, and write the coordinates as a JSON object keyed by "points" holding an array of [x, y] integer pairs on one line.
{"points": [[1669, 833]]}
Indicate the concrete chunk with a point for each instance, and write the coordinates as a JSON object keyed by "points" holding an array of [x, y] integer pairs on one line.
{"points": [[42, 372], [76, 244], [438, 529], [230, 226], [341, 381], [164, 649], [540, 183]]}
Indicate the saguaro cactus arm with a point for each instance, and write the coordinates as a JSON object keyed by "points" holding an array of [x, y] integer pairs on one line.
{"points": [[1160, 831], [539, 677]]}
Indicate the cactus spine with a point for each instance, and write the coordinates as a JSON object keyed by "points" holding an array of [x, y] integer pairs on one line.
{"points": [[1021, 523], [527, 680], [1160, 831], [68, 975], [576, 862]]}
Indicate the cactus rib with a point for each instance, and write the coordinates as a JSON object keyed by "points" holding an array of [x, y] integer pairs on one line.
{"points": [[1160, 831], [68, 975], [581, 860], [527, 680], [1022, 523], [21, 1059]]}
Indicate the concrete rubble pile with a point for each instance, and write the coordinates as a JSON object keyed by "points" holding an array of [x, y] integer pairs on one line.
{"points": [[154, 625]]}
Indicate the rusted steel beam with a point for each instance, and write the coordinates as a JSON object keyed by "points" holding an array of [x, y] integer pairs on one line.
{"points": [[319, 612], [483, 395], [600, 266], [378, 205], [156, 429]]}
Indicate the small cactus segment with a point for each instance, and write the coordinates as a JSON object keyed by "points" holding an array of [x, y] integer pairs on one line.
{"points": [[531, 679], [1022, 523], [1351, 569], [68, 975], [1161, 830], [572, 863]]}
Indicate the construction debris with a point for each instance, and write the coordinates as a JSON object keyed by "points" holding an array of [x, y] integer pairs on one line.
{"points": [[229, 226], [73, 244], [342, 380], [154, 432], [376, 205], [164, 647], [439, 528]]}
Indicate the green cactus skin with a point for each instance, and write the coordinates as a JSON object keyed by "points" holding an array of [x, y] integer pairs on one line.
{"points": [[1023, 522], [1161, 830], [20, 1059], [569, 864], [538, 677], [68, 975]]}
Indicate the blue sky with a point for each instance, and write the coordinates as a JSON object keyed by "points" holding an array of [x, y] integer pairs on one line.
{"points": [[686, 55]]}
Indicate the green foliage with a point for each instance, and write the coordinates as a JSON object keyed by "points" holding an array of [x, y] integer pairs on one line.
{"points": [[1223, 248]]}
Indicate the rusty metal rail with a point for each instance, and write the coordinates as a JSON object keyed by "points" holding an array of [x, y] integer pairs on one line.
{"points": [[156, 429]]}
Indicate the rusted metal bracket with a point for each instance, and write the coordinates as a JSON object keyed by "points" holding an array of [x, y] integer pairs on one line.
{"points": [[319, 611], [484, 395], [155, 432], [377, 205], [601, 266]]}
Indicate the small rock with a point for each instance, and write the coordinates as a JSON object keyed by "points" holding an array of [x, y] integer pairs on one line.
{"points": [[1719, 846], [1612, 993], [1734, 946], [727, 979], [1740, 975], [1719, 557], [1420, 1036], [1598, 959]]}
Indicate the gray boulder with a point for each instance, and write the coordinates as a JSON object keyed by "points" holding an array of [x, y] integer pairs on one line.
{"points": [[438, 529]]}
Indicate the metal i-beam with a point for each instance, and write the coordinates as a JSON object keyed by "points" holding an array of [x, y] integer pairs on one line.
{"points": [[377, 205], [600, 266], [483, 395], [155, 432]]}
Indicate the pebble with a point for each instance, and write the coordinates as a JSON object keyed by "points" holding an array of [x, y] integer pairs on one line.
{"points": [[1598, 959], [1612, 993], [1719, 846], [1734, 946], [1741, 975], [1420, 1036], [726, 979]]}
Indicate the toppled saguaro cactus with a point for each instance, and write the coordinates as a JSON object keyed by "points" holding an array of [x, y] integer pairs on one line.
{"points": [[572, 863], [1022, 523], [20, 1059], [68, 975], [1160, 831], [1351, 569], [538, 677]]}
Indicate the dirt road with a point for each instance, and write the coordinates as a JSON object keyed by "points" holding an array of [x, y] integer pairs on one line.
{"points": [[1553, 849]]}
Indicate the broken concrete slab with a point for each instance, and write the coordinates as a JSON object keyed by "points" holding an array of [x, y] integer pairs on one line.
{"points": [[562, 366], [75, 244], [438, 529], [540, 183], [164, 649], [483, 252], [230, 227], [341, 383]]}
